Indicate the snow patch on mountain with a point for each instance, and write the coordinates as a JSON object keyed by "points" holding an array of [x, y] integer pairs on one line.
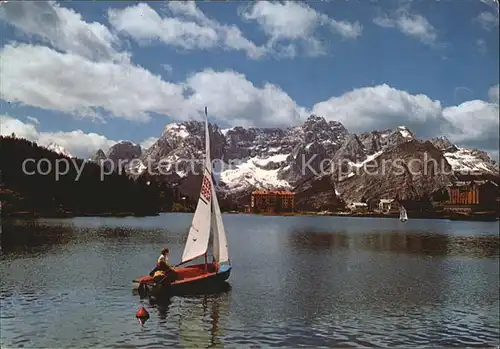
{"points": [[367, 160], [176, 130], [470, 161], [404, 132], [253, 173], [59, 149], [278, 159]]}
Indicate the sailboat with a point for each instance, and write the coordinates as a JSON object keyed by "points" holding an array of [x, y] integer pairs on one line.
{"points": [[403, 217], [207, 220]]}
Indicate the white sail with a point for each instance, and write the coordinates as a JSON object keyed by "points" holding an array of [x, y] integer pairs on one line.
{"points": [[199, 233], [402, 214], [219, 249]]}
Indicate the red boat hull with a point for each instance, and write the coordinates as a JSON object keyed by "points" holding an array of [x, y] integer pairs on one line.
{"points": [[193, 279]]}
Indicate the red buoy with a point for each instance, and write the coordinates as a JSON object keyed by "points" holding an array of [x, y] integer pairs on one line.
{"points": [[142, 314]]}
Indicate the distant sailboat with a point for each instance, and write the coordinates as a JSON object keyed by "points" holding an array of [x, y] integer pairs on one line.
{"points": [[207, 219], [403, 217]]}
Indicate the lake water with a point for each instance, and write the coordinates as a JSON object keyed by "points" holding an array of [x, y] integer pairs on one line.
{"points": [[296, 281]]}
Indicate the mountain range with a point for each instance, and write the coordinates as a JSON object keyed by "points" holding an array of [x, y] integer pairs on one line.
{"points": [[319, 156]]}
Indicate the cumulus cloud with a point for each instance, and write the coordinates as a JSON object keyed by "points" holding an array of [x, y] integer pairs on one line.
{"points": [[77, 142], [62, 28], [148, 142], [194, 31], [33, 120], [111, 87], [91, 86], [381, 107], [122, 89], [295, 21], [473, 123], [235, 100], [410, 24]]}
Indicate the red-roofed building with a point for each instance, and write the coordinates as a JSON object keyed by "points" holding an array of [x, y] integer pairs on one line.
{"points": [[272, 201]]}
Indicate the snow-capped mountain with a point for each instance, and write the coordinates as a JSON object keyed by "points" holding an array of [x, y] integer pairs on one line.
{"points": [[273, 158], [465, 160], [58, 149]]}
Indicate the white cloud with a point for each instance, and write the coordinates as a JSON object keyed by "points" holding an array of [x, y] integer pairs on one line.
{"points": [[122, 89], [132, 92], [33, 120], [488, 20], [118, 88], [77, 142], [144, 24], [493, 94], [379, 107], [62, 28], [295, 21], [233, 99], [410, 24], [148, 142], [473, 123], [9, 125]]}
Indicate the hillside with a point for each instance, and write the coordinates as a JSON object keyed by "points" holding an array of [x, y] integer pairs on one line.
{"points": [[78, 190]]}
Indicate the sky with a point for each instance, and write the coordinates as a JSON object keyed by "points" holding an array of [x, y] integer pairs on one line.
{"points": [[88, 74]]}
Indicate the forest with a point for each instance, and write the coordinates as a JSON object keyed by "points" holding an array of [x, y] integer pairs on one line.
{"points": [[40, 193]]}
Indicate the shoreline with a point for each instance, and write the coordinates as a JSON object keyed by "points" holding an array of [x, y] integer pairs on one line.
{"points": [[412, 215], [415, 215], [35, 215]]}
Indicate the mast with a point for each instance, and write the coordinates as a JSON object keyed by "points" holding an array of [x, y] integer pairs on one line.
{"points": [[199, 233]]}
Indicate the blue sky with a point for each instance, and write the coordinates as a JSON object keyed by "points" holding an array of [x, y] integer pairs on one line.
{"points": [[87, 74]]}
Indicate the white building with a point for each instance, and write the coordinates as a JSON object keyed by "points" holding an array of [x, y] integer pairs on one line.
{"points": [[385, 205], [358, 206]]}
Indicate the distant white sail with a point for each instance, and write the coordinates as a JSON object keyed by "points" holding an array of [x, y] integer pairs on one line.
{"points": [[403, 217], [199, 233], [219, 249]]}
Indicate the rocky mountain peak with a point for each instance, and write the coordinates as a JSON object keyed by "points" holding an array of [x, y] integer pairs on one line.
{"points": [[331, 134], [124, 150], [444, 144], [99, 155], [274, 158], [352, 149], [376, 141]]}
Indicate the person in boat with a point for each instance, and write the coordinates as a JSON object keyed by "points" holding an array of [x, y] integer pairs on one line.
{"points": [[162, 262], [163, 271]]}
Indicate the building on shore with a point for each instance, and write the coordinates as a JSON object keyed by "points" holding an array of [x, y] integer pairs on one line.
{"points": [[272, 201], [473, 196], [388, 206], [358, 207]]}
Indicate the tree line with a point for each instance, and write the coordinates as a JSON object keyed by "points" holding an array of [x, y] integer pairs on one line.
{"points": [[73, 193]]}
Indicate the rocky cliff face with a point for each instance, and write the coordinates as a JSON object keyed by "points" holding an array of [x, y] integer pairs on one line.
{"points": [[320, 160], [408, 171]]}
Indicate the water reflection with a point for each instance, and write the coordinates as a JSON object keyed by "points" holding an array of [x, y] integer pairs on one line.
{"points": [[27, 237], [66, 283], [31, 236], [427, 244], [196, 319]]}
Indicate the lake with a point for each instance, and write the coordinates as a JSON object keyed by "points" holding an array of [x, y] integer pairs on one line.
{"points": [[296, 281]]}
